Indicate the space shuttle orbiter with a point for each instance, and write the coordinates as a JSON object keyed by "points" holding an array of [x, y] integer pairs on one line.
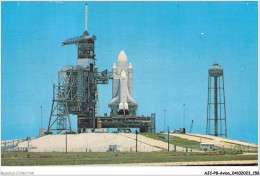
{"points": [[122, 102]]}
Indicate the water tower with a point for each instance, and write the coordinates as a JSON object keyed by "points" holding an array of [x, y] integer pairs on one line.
{"points": [[216, 109]]}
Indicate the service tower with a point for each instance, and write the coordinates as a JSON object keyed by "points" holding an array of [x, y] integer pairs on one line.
{"points": [[76, 92]]}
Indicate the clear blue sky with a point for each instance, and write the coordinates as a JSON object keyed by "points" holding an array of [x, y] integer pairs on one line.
{"points": [[161, 39]]}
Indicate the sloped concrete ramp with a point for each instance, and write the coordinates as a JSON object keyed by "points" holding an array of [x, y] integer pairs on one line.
{"points": [[90, 142]]}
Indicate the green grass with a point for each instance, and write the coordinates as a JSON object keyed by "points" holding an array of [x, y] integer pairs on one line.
{"points": [[194, 144], [175, 140], [34, 159], [199, 137]]}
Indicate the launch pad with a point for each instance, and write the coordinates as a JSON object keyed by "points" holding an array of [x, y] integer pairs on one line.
{"points": [[76, 93]]}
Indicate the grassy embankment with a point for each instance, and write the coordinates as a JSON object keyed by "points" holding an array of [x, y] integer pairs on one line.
{"points": [[34, 159], [174, 141], [196, 145]]}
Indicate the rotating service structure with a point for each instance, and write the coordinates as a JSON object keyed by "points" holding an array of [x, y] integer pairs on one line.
{"points": [[216, 108]]}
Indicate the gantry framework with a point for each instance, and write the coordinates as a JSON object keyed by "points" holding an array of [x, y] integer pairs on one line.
{"points": [[76, 90], [73, 95]]}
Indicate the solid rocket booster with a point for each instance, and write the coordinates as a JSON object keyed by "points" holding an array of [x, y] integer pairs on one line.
{"points": [[130, 79], [122, 88]]}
